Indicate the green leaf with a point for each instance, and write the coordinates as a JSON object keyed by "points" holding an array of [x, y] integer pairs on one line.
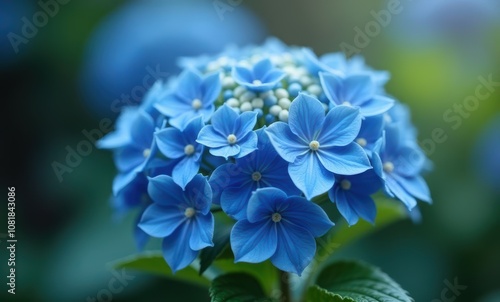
{"points": [[356, 281], [237, 287], [221, 244], [154, 263], [388, 211], [264, 272]]}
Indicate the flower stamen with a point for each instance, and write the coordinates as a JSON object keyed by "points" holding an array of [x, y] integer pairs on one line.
{"points": [[146, 152], [314, 145], [345, 184], [256, 176], [388, 167], [231, 139], [189, 149], [189, 212], [196, 104], [362, 142], [276, 217]]}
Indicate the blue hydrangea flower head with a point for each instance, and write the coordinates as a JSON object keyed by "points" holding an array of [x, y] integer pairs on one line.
{"points": [[230, 134], [351, 194], [357, 91], [181, 217], [234, 183], [261, 77], [317, 146], [194, 96], [279, 228], [182, 145]]}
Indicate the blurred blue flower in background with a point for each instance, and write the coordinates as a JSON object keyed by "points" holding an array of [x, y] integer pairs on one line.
{"points": [[486, 155], [141, 42]]}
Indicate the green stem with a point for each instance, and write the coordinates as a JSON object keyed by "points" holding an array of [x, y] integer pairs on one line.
{"points": [[284, 286]]}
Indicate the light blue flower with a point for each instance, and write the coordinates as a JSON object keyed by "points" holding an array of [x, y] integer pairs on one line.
{"points": [[193, 95], [279, 228], [182, 145], [358, 91], [316, 146], [233, 183], [261, 77], [400, 163], [181, 217], [352, 193], [371, 131], [230, 134]]}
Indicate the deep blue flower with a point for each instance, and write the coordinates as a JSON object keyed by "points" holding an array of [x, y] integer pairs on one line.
{"points": [[279, 228], [230, 134], [352, 193], [141, 149], [358, 91], [182, 145], [181, 217], [400, 163], [316, 146], [233, 183], [193, 95], [261, 77]]}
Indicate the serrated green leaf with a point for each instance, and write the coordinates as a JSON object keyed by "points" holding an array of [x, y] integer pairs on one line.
{"points": [[318, 294], [221, 244], [359, 282], [237, 287], [154, 263]]}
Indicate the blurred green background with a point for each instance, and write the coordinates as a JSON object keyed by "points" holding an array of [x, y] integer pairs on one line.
{"points": [[66, 231]]}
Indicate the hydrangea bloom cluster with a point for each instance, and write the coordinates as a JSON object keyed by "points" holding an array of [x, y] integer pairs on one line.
{"points": [[267, 134]]}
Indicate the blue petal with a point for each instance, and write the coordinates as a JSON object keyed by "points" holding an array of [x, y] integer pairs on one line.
{"points": [[263, 204], [409, 161], [173, 105], [226, 151], [161, 221], [203, 232], [377, 105], [371, 128], [364, 206], [247, 144], [242, 75], [288, 145], [416, 186], [261, 68], [273, 76], [340, 197], [211, 88], [244, 123], [121, 180], [224, 119], [171, 142], [341, 126], [181, 119], [295, 250], [309, 175], [188, 85], [199, 194], [332, 87], [130, 158], [346, 160], [163, 190], [307, 214], [306, 117], [211, 138], [366, 183], [358, 89], [253, 242], [193, 129], [142, 130], [226, 175], [176, 250], [234, 200], [395, 188], [185, 170]]}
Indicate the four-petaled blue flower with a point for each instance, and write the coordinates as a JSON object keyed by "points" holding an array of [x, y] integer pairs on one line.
{"points": [[357, 91], [182, 145], [352, 193], [279, 228], [194, 95], [233, 184], [181, 217], [316, 146], [230, 134], [262, 77], [400, 164]]}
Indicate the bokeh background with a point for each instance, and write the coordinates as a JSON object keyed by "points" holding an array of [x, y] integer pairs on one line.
{"points": [[78, 65]]}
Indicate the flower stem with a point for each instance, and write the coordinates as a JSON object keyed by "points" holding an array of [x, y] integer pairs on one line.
{"points": [[284, 286]]}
